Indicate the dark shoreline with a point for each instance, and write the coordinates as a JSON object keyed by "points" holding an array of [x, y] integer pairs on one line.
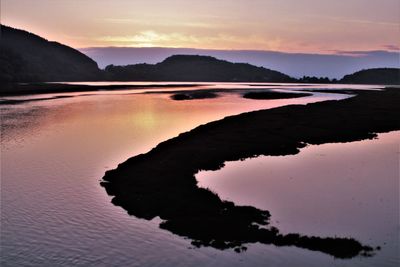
{"points": [[52, 88], [20, 89], [162, 182]]}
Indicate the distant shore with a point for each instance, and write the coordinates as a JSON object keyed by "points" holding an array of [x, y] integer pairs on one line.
{"points": [[15, 89], [178, 95], [19, 89], [162, 182]]}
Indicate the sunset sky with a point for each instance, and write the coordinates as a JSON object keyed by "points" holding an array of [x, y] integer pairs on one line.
{"points": [[311, 26]]}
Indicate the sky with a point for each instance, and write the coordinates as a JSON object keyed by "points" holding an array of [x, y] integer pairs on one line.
{"points": [[295, 26]]}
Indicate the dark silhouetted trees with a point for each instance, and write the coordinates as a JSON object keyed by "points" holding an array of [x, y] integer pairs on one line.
{"points": [[26, 57], [195, 68], [374, 76]]}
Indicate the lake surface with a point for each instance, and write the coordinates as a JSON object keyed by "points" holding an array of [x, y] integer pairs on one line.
{"points": [[55, 152]]}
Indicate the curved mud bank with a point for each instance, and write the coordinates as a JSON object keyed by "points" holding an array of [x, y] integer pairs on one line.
{"points": [[273, 95], [162, 182], [194, 95], [261, 95]]}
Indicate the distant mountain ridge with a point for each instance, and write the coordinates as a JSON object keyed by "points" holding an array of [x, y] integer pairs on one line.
{"points": [[333, 65], [26, 57], [195, 68]]}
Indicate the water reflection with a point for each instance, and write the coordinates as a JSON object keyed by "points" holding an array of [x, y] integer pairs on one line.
{"points": [[53, 211], [349, 189]]}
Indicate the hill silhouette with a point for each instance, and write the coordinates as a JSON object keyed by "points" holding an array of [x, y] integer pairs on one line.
{"points": [[334, 65], [374, 76], [195, 68], [26, 57]]}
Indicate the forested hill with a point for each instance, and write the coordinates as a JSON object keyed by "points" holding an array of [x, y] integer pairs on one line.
{"points": [[26, 57], [195, 68], [374, 76]]}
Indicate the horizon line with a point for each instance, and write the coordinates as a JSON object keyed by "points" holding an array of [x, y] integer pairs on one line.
{"points": [[333, 53]]}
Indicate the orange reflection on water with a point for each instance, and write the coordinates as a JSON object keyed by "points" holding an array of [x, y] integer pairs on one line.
{"points": [[54, 152]]}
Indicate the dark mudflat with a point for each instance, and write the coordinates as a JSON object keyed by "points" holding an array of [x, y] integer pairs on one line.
{"points": [[273, 95], [261, 93], [194, 95], [162, 182], [20, 101]]}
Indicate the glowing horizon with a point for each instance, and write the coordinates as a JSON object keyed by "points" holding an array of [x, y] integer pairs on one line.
{"points": [[304, 26]]}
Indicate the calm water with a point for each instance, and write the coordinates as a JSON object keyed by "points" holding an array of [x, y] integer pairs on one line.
{"points": [[347, 189], [54, 213]]}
